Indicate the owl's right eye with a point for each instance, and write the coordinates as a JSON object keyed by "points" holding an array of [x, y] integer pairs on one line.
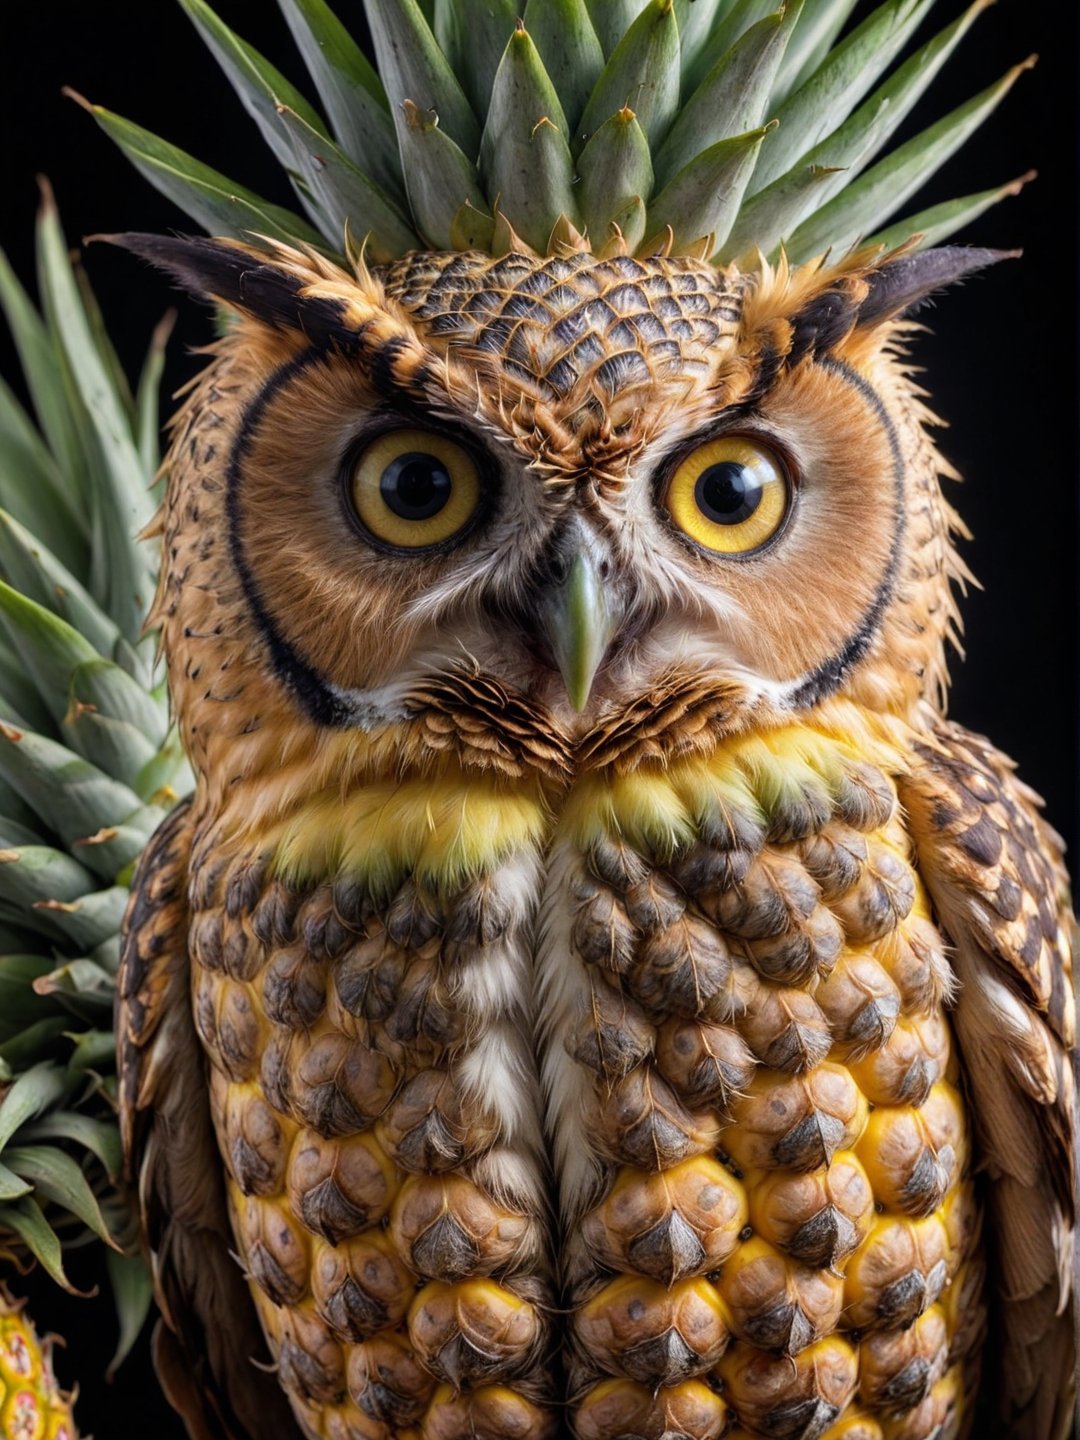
{"points": [[413, 489]]}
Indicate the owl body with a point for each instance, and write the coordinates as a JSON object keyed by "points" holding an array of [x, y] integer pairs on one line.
{"points": [[617, 1068]]}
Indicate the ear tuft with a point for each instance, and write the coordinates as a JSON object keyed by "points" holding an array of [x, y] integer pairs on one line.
{"points": [[902, 286], [226, 271]]}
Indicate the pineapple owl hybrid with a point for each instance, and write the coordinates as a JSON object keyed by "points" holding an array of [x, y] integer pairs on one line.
{"points": [[592, 989]]}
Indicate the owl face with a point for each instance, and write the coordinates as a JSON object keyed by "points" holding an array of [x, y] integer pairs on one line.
{"points": [[585, 482]]}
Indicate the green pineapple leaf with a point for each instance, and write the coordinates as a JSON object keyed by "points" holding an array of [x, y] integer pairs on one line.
{"points": [[26, 1219], [819, 26], [733, 97], [524, 153], [439, 177], [345, 198], [123, 563], [54, 1175], [838, 84], [261, 88], [569, 47], [350, 90], [643, 73], [413, 67], [473, 36], [775, 212], [703, 199], [616, 171], [211, 199], [884, 188], [939, 222], [133, 1295]]}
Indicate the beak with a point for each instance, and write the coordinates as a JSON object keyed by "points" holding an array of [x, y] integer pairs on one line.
{"points": [[579, 615]]}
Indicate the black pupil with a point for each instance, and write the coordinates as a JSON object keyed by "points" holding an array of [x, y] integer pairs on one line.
{"points": [[728, 493], [416, 485]]}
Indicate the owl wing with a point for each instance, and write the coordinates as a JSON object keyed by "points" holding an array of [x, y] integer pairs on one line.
{"points": [[995, 874], [205, 1348]]}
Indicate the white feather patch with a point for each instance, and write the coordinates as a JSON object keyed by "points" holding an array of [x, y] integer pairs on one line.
{"points": [[562, 993]]}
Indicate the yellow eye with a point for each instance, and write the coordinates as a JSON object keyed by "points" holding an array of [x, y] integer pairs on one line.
{"points": [[729, 495], [413, 489]]}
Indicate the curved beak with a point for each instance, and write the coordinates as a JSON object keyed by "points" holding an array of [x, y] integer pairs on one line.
{"points": [[579, 615]]}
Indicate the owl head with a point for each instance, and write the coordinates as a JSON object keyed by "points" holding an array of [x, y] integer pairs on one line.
{"points": [[554, 511]]}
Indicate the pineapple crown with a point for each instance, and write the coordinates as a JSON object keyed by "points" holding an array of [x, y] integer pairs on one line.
{"points": [[718, 128]]}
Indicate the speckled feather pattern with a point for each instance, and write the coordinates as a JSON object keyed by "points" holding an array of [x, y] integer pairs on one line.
{"points": [[632, 1075]]}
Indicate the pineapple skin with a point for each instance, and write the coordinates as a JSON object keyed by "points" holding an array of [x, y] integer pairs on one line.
{"points": [[790, 1244], [782, 1231], [32, 1405], [767, 1222]]}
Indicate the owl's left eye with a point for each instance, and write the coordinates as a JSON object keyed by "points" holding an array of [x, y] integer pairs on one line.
{"points": [[730, 495], [413, 489]]}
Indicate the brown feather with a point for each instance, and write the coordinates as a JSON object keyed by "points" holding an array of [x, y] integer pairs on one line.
{"points": [[989, 865], [207, 1355]]}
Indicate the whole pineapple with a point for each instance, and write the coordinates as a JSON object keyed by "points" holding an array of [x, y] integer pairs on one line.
{"points": [[654, 138]]}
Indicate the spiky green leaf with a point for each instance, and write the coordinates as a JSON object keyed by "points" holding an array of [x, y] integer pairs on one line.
{"points": [[20, 1005], [49, 647], [348, 200], [98, 1137], [733, 97], [29, 567], [612, 18], [349, 89], [147, 417], [473, 35], [125, 566], [643, 73], [939, 222], [35, 876], [413, 67], [212, 200], [55, 1176], [825, 100], [31, 487], [133, 1293], [27, 1219], [27, 1047], [260, 87], [614, 169], [568, 45], [74, 798], [439, 178], [37, 355], [884, 188], [34, 1091], [820, 24], [524, 156], [698, 20], [704, 197], [736, 21], [12, 1185], [837, 160], [94, 1050], [112, 721]]}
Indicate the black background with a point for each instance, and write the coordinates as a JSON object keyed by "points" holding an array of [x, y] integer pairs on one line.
{"points": [[1001, 361]]}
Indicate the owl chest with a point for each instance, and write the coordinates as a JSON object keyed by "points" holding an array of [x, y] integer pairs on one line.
{"points": [[711, 1001]]}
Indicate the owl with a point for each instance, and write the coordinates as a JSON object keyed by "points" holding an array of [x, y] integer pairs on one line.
{"points": [[593, 989]]}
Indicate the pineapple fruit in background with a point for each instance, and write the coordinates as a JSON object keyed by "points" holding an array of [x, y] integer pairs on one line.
{"points": [[32, 1405], [610, 131], [87, 770]]}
